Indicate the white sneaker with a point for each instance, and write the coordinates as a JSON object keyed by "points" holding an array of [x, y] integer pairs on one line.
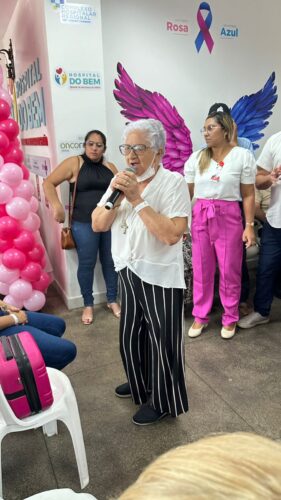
{"points": [[228, 334], [253, 319], [195, 332]]}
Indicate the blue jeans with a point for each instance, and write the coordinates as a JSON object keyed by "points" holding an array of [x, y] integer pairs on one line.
{"points": [[88, 244], [47, 331], [268, 268]]}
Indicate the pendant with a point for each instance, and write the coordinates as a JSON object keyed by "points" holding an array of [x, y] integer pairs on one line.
{"points": [[124, 226]]}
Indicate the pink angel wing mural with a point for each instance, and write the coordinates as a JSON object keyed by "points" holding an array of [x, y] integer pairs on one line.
{"points": [[138, 103]]}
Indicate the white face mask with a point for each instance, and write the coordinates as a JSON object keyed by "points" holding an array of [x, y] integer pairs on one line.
{"points": [[150, 172]]}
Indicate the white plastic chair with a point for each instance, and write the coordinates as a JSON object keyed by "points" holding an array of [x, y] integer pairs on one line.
{"points": [[64, 408]]}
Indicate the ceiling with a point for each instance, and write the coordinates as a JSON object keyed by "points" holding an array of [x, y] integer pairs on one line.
{"points": [[6, 10]]}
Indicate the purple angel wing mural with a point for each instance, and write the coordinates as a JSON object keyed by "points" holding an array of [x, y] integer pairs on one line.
{"points": [[250, 112], [139, 103]]}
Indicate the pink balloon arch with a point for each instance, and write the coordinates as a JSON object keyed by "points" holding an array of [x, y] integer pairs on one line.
{"points": [[23, 279]]}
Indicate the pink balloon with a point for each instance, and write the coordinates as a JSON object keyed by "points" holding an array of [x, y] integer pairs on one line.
{"points": [[43, 262], [9, 228], [4, 288], [4, 94], [12, 301], [14, 259], [43, 282], [8, 275], [31, 271], [25, 171], [5, 245], [32, 222], [2, 211], [35, 302], [1, 76], [6, 193], [25, 241], [10, 127], [15, 143], [25, 190], [18, 208], [11, 173], [37, 253], [34, 204], [20, 289], [1, 161], [4, 143], [4, 110], [14, 155]]}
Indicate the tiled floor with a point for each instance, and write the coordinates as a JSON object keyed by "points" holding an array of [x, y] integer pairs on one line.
{"points": [[232, 385]]}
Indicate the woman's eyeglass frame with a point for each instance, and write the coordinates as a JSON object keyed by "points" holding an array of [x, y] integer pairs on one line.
{"points": [[210, 128], [139, 149]]}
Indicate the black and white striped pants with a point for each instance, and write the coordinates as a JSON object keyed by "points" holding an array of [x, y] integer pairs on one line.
{"points": [[152, 343]]}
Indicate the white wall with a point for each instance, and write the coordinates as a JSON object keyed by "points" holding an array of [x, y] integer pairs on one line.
{"points": [[37, 31], [135, 34]]}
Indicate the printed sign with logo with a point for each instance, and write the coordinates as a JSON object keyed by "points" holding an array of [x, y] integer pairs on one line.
{"points": [[38, 165], [76, 13], [78, 79], [177, 27], [73, 145], [229, 31]]}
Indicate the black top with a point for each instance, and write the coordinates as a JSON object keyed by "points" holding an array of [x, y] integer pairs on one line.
{"points": [[93, 180]]}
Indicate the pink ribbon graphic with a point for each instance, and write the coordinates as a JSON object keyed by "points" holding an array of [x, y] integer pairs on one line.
{"points": [[204, 25]]}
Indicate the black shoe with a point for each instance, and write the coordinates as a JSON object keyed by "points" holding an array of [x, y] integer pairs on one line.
{"points": [[123, 391], [147, 415]]}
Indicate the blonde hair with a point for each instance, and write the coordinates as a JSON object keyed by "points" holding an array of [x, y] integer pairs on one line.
{"points": [[238, 466], [226, 122]]}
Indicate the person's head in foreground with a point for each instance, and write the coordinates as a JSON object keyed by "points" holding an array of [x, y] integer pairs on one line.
{"points": [[238, 466]]}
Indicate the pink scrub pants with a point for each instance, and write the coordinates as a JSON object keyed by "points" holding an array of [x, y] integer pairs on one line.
{"points": [[216, 238]]}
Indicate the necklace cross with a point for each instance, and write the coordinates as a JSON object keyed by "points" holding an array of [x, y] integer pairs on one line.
{"points": [[124, 226]]}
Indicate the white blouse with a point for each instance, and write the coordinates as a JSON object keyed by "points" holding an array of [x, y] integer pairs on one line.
{"points": [[221, 182], [133, 246], [269, 159]]}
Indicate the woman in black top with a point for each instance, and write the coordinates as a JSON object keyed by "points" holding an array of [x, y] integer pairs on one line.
{"points": [[94, 175]]}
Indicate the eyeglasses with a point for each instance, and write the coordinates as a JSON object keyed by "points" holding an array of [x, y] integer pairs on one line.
{"points": [[97, 144], [210, 128], [139, 149]]}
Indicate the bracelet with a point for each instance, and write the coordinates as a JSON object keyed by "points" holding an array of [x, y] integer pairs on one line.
{"points": [[15, 318], [250, 224], [140, 206]]}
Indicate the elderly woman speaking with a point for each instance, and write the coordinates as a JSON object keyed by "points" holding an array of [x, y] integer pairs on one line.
{"points": [[147, 223]]}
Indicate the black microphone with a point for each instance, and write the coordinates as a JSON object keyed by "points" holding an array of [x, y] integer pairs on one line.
{"points": [[116, 193]]}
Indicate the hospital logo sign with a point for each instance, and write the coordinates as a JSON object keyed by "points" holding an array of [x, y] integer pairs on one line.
{"points": [[78, 79]]}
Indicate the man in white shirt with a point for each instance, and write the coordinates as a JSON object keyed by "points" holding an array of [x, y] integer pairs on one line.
{"points": [[269, 267]]}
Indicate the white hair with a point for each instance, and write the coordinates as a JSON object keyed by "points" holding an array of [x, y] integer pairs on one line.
{"points": [[154, 130]]}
